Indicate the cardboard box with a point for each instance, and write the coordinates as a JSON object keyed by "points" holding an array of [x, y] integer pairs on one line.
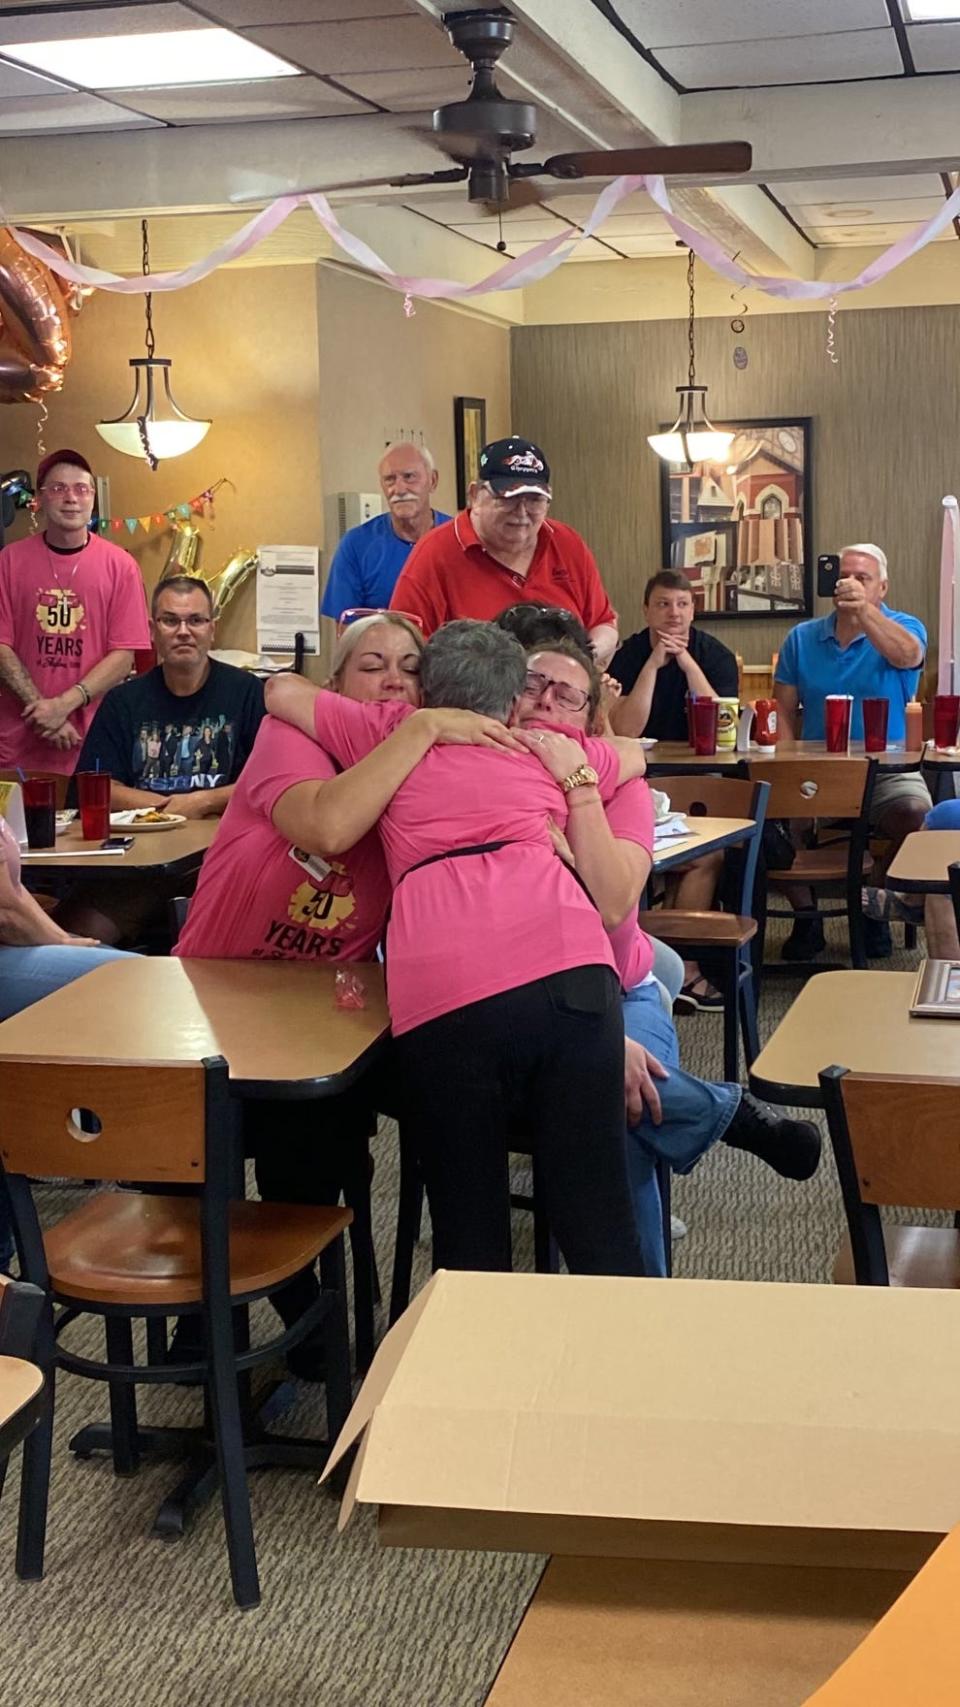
{"points": [[715, 1421]]}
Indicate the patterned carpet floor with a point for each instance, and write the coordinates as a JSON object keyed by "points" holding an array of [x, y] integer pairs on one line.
{"points": [[123, 1618]]}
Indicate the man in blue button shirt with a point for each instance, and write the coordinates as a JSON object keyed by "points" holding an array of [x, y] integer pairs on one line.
{"points": [[369, 558], [867, 650]]}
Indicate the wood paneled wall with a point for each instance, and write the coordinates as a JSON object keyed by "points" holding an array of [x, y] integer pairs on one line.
{"points": [[886, 435]]}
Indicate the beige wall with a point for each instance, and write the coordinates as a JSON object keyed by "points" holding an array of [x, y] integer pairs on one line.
{"points": [[885, 441], [301, 369], [243, 345], [383, 373]]}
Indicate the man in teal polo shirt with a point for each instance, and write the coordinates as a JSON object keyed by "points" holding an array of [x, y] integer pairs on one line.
{"points": [[867, 650]]}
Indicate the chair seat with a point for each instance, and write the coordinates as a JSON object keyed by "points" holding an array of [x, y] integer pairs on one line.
{"points": [[714, 930], [816, 865], [19, 1383], [916, 1256], [130, 1247]]}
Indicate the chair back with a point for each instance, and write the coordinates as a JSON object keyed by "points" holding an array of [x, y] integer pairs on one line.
{"points": [[897, 1143], [817, 787], [725, 797], [953, 873], [177, 909], [61, 781], [82, 1121]]}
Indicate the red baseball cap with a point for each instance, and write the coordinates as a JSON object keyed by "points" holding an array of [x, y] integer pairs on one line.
{"points": [[72, 456]]}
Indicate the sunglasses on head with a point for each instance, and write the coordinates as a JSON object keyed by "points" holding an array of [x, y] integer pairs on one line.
{"points": [[346, 617]]}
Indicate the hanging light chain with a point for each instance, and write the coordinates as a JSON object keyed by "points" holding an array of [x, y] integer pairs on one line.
{"points": [[691, 261], [151, 344]]}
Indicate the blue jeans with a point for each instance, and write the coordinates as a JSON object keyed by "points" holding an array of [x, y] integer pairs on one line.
{"points": [[26, 975], [667, 968], [695, 1115]]}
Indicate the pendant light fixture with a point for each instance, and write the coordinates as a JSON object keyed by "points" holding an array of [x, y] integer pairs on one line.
{"points": [[692, 438], [153, 427]]}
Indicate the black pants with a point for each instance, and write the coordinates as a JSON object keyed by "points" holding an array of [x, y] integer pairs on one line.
{"points": [[545, 1059], [306, 1152]]}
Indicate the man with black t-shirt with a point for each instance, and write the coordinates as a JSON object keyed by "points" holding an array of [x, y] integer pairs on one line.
{"points": [[657, 669], [666, 661], [177, 737]]}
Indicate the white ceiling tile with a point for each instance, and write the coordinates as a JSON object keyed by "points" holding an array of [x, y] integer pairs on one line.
{"points": [[868, 236], [218, 103], [409, 91], [521, 231], [661, 23], [104, 21], [246, 13], [650, 243], [799, 59], [66, 113], [864, 191], [935, 47], [914, 212], [453, 208], [15, 80], [372, 44], [581, 206]]}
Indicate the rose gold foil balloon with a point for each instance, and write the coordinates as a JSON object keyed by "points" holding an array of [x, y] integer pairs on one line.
{"points": [[35, 340]]}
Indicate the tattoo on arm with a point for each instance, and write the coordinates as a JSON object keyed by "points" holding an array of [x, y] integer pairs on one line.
{"points": [[15, 677]]}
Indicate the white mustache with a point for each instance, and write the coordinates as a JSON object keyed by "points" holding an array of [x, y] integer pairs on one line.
{"points": [[404, 498]]}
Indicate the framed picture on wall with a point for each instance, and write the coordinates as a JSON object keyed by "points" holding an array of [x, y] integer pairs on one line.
{"points": [[470, 436], [740, 529]]}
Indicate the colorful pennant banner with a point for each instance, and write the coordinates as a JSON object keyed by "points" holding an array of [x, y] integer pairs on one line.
{"points": [[201, 505]]}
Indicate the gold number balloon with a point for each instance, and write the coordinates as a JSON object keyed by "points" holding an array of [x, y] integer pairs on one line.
{"points": [[35, 340]]}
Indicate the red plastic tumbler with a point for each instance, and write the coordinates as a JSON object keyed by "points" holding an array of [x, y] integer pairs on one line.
{"points": [[946, 716], [837, 716], [875, 715], [703, 715], [93, 793]]}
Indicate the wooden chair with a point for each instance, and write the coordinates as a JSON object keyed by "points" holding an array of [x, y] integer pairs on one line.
{"points": [[895, 1143], [127, 1254], [838, 790], [725, 937], [21, 1381], [62, 782]]}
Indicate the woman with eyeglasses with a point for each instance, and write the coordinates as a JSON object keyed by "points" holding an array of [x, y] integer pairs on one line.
{"points": [[672, 1115], [72, 616]]}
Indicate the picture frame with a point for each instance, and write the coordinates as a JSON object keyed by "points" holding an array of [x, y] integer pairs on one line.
{"points": [[741, 529], [470, 436]]}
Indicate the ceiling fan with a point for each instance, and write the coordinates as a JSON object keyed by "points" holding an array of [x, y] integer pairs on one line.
{"points": [[483, 132]]}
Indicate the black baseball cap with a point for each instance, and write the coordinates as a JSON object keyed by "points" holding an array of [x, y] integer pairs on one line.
{"points": [[512, 466]]}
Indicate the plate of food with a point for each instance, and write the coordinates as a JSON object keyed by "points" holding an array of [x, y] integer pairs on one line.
{"points": [[145, 820]]}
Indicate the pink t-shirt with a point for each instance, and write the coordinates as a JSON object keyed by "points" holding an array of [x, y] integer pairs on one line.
{"points": [[258, 897], [61, 615], [630, 816], [10, 852], [464, 929]]}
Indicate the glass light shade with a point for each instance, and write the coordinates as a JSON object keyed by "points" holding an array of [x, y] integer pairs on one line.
{"points": [[692, 438], [169, 431]]}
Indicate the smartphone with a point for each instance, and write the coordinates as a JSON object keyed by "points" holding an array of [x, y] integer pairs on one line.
{"points": [[121, 842], [828, 574]]}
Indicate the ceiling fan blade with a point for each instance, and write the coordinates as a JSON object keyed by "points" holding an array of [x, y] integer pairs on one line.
{"points": [[403, 181], [713, 159]]}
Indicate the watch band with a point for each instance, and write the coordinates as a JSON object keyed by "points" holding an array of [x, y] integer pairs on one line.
{"points": [[583, 777]]}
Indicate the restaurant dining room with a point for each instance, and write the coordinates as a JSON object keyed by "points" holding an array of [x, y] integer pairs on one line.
{"points": [[475, 480]]}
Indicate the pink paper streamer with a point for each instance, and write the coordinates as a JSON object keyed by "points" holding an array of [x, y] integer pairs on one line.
{"points": [[513, 274]]}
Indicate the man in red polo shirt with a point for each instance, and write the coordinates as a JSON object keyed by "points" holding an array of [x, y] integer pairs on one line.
{"points": [[501, 551]]}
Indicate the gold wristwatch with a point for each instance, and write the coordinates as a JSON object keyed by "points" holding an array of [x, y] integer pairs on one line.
{"points": [[583, 777]]}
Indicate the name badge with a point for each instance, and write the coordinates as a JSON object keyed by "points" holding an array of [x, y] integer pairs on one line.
{"points": [[313, 864]]}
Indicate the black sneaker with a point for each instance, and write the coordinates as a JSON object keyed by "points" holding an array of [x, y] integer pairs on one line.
{"points": [[790, 1147], [877, 941], [805, 940]]}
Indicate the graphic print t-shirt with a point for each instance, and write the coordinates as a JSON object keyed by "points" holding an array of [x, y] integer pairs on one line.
{"points": [[61, 613], [258, 897], [148, 737]]}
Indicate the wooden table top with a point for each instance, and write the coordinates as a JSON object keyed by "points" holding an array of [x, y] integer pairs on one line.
{"points": [[676, 755], [707, 835], [859, 1020], [179, 849], [921, 861], [276, 1023], [19, 1383]]}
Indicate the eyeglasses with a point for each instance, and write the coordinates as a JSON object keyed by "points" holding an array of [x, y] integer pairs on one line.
{"points": [[569, 698], [60, 489], [171, 623], [346, 617], [531, 501]]}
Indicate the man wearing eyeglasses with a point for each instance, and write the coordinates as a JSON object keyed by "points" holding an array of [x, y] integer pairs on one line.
{"points": [[502, 550], [176, 740], [72, 615]]}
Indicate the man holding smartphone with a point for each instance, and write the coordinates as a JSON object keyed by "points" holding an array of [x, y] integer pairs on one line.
{"points": [[867, 650]]}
